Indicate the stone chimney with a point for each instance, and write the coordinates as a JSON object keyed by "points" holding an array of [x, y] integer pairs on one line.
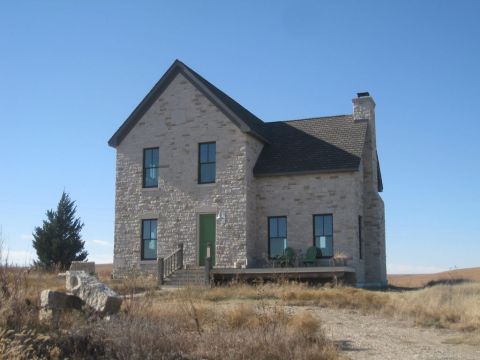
{"points": [[364, 110], [363, 107]]}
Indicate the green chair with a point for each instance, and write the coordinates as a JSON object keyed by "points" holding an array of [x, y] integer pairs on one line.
{"points": [[285, 259], [311, 256]]}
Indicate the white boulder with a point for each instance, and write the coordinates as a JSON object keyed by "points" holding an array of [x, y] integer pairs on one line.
{"points": [[93, 292]]}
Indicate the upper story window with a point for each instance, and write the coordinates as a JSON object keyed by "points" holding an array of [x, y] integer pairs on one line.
{"points": [[150, 167], [277, 236], [149, 239], [206, 162], [323, 234]]}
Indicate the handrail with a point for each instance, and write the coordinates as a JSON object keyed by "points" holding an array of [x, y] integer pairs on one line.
{"points": [[171, 263]]}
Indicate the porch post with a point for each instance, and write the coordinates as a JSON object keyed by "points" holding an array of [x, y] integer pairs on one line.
{"points": [[160, 271], [180, 256], [208, 268]]}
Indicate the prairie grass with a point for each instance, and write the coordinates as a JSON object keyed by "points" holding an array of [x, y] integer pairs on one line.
{"points": [[454, 306], [180, 326], [134, 283], [421, 280], [19, 294], [446, 306], [239, 321], [184, 326]]}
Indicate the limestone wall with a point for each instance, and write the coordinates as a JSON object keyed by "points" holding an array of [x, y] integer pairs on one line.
{"points": [[299, 197], [254, 147], [180, 119], [374, 220]]}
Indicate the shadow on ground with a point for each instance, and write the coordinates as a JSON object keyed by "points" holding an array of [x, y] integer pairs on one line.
{"points": [[346, 345]]}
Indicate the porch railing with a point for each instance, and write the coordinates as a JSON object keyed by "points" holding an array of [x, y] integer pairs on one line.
{"points": [[168, 265]]}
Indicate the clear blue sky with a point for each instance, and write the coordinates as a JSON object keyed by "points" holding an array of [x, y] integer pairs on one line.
{"points": [[71, 72]]}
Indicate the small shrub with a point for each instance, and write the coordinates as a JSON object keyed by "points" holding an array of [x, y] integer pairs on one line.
{"points": [[240, 315], [305, 324]]}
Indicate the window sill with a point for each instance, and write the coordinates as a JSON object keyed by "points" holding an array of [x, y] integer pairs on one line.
{"points": [[147, 262], [207, 184], [150, 188]]}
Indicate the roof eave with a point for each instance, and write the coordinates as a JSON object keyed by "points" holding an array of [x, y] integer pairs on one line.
{"points": [[306, 172], [379, 176]]}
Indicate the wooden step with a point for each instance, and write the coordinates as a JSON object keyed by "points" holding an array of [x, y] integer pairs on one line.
{"points": [[187, 277]]}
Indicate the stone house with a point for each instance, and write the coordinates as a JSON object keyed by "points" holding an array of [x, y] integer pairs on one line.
{"points": [[195, 167]]}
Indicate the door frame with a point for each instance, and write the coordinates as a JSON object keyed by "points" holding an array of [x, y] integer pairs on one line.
{"points": [[213, 212]]}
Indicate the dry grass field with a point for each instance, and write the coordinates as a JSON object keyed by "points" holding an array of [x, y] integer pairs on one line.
{"points": [[421, 280], [183, 324], [238, 321]]}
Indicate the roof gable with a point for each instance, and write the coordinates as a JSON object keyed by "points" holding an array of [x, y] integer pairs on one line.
{"points": [[240, 116]]}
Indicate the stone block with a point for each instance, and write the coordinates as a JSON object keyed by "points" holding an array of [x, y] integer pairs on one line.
{"points": [[50, 299], [93, 292]]}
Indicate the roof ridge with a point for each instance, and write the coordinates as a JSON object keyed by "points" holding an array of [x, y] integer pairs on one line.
{"points": [[309, 118]]}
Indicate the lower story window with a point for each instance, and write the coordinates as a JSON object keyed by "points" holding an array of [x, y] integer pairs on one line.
{"points": [[149, 239], [323, 234], [277, 236]]}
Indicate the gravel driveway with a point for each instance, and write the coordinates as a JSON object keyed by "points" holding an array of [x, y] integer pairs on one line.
{"points": [[376, 337]]}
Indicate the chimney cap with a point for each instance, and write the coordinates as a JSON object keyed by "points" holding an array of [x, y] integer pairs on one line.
{"points": [[363, 94]]}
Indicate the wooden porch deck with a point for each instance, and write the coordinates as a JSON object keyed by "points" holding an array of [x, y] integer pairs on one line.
{"points": [[172, 268], [290, 273]]}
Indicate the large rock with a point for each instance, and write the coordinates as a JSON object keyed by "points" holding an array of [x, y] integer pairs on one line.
{"points": [[95, 294], [52, 303], [50, 299]]}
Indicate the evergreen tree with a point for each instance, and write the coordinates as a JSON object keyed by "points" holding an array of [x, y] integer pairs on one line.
{"points": [[58, 241]]}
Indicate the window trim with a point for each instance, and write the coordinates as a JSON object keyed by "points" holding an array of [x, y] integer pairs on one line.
{"points": [[144, 186], [286, 231], [142, 242], [313, 233], [199, 163]]}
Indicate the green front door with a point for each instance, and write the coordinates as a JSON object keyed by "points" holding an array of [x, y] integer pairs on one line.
{"points": [[207, 237]]}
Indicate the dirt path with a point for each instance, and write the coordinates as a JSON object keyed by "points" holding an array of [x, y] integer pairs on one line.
{"points": [[375, 337]]}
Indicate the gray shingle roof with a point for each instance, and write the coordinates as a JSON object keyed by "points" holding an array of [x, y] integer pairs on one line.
{"points": [[333, 143]]}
